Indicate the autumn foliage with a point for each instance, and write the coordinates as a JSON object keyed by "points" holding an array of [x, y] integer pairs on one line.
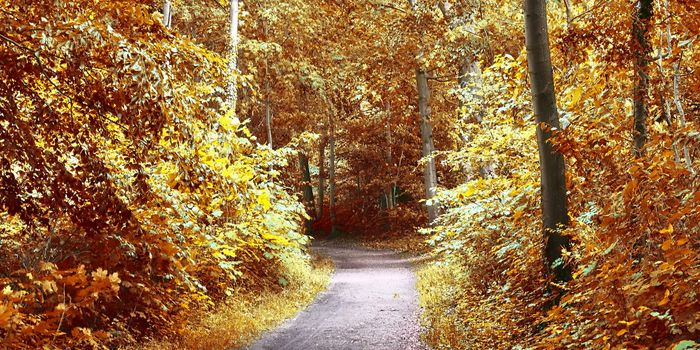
{"points": [[133, 196], [633, 227], [129, 194]]}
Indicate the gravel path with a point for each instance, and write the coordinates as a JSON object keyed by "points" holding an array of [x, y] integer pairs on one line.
{"points": [[371, 303]]}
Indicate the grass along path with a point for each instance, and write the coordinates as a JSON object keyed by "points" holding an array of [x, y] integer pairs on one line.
{"points": [[242, 320]]}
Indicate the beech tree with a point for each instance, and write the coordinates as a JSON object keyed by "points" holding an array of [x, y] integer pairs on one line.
{"points": [[642, 47], [555, 216]]}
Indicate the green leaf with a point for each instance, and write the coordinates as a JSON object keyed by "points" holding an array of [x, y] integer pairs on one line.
{"points": [[686, 344]]}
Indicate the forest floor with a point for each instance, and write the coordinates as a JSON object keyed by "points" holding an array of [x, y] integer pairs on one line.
{"points": [[371, 303]]}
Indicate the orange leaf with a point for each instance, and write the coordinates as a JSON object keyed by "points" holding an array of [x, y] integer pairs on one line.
{"points": [[667, 245], [665, 300]]}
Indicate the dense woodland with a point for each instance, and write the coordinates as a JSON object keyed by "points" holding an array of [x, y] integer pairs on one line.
{"points": [[159, 158]]}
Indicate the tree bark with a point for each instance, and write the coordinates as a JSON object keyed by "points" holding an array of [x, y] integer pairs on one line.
{"points": [[268, 114], [569, 15], [306, 188], [426, 131], [681, 112], [331, 167], [390, 202], [167, 14], [233, 59], [641, 47], [321, 178], [552, 167], [469, 74]]}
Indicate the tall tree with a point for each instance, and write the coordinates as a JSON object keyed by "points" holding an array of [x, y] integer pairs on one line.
{"points": [[268, 113], [306, 187], [167, 14], [233, 54], [552, 168], [426, 131], [321, 175], [641, 47], [331, 168]]}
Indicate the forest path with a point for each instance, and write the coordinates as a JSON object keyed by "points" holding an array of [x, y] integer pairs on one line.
{"points": [[371, 303]]}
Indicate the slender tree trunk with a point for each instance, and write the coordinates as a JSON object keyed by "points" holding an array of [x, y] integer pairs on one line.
{"points": [[681, 112], [569, 16], [389, 159], [468, 71], [552, 171], [306, 188], [167, 14], [321, 178], [268, 114], [666, 38], [331, 167], [233, 60], [470, 77], [665, 34], [641, 47], [426, 131]]}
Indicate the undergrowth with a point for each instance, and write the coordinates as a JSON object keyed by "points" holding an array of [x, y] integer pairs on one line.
{"points": [[244, 317]]}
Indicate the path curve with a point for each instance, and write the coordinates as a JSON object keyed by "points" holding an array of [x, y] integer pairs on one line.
{"points": [[371, 303]]}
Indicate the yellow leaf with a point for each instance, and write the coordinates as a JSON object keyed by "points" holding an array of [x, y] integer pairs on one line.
{"points": [[575, 96], [276, 239], [229, 252], [627, 323], [229, 122], [668, 230], [264, 200], [621, 332]]}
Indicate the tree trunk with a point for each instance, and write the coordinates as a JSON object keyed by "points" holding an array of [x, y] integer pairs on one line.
{"points": [[681, 112], [167, 14], [233, 59], [569, 15], [268, 114], [390, 202], [306, 187], [470, 73], [331, 166], [426, 131], [552, 171], [641, 47], [321, 178]]}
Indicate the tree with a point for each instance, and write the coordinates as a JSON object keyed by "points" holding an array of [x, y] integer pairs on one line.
{"points": [[307, 190], [552, 168], [426, 130], [641, 47], [167, 14], [332, 178], [233, 54]]}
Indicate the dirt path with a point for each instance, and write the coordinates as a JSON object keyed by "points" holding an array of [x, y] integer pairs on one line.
{"points": [[371, 303]]}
